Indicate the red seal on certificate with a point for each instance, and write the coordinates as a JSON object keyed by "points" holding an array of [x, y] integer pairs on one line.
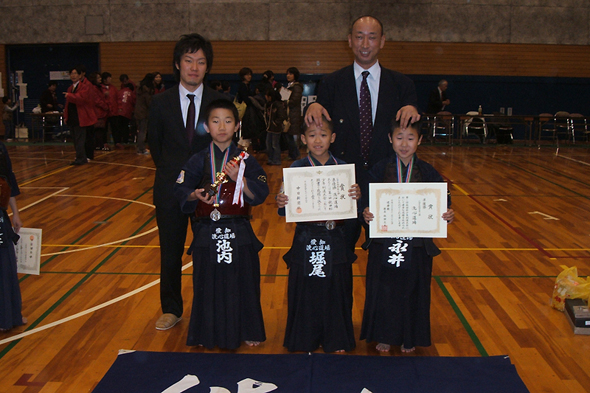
{"points": [[384, 227], [298, 210]]}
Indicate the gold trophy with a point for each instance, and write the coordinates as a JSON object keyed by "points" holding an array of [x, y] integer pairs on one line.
{"points": [[220, 178]]}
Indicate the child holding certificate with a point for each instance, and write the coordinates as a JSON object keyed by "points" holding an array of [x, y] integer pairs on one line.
{"points": [[10, 297], [217, 186], [320, 267], [397, 302]]}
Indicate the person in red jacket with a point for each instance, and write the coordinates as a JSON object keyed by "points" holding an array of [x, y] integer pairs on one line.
{"points": [[126, 103], [98, 131], [79, 111], [111, 94]]}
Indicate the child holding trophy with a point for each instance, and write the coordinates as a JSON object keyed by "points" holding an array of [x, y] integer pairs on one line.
{"points": [[218, 185]]}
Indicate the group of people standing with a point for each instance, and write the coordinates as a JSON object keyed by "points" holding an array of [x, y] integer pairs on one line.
{"points": [[94, 105], [264, 119], [365, 115]]}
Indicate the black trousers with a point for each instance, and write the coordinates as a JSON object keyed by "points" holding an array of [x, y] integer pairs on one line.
{"points": [[79, 134], [352, 232], [172, 225]]}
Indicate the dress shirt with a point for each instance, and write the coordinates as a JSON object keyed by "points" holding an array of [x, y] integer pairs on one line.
{"points": [[373, 82], [441, 98], [185, 101]]}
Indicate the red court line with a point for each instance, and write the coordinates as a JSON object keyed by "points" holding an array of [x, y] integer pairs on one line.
{"points": [[525, 237]]}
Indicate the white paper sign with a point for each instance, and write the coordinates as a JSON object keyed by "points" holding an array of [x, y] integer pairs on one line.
{"points": [[318, 193], [28, 251], [408, 209]]}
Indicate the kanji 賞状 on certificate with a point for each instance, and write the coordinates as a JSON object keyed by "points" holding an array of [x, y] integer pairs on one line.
{"points": [[318, 193]]}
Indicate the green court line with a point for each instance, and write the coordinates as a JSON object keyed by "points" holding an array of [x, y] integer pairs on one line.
{"points": [[461, 317], [284, 275]]}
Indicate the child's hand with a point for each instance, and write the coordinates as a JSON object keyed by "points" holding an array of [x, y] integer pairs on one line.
{"points": [[282, 200], [231, 169], [449, 216], [198, 194], [355, 192], [367, 215]]}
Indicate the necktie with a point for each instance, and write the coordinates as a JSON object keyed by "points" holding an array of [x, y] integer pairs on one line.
{"points": [[366, 117], [190, 119]]}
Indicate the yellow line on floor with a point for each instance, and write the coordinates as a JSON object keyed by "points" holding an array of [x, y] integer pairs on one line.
{"points": [[44, 176], [460, 189], [288, 247]]}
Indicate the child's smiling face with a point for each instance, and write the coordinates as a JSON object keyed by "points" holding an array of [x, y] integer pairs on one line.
{"points": [[318, 140], [405, 143]]}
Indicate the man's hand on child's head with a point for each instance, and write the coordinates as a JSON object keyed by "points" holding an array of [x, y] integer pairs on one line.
{"points": [[367, 215], [282, 200], [354, 192], [407, 115], [314, 114]]}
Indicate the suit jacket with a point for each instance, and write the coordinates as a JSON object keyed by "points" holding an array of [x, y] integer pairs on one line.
{"points": [[435, 103], [168, 141], [337, 93]]}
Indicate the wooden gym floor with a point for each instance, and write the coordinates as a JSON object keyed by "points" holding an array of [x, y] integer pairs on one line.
{"points": [[522, 214]]}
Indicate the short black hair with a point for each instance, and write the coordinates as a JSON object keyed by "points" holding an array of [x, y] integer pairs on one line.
{"points": [[327, 124], [214, 84], [52, 83], [5, 99], [80, 69], [366, 16], [273, 94], [123, 77], [222, 104], [294, 71], [395, 124], [191, 43], [244, 71], [268, 74], [106, 75], [129, 86], [225, 85]]}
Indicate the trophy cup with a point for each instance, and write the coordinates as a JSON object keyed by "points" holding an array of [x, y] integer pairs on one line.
{"points": [[221, 178]]}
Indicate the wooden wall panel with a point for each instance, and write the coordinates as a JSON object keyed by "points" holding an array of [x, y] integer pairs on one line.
{"points": [[320, 57]]}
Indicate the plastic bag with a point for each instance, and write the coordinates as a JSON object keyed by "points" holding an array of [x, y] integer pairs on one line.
{"points": [[569, 286]]}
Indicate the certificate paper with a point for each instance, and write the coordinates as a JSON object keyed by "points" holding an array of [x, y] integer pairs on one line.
{"points": [[408, 209], [319, 193], [28, 251]]}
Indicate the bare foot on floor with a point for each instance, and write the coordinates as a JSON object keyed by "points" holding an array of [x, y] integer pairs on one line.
{"points": [[408, 350], [383, 347], [252, 343], [24, 323]]}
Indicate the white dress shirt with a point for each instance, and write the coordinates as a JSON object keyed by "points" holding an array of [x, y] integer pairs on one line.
{"points": [[185, 102], [373, 82]]}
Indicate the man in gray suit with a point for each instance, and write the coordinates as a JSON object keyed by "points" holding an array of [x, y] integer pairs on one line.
{"points": [[173, 139], [391, 95]]}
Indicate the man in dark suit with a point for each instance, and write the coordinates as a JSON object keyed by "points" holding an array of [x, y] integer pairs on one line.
{"points": [[392, 95], [172, 142], [438, 98]]}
